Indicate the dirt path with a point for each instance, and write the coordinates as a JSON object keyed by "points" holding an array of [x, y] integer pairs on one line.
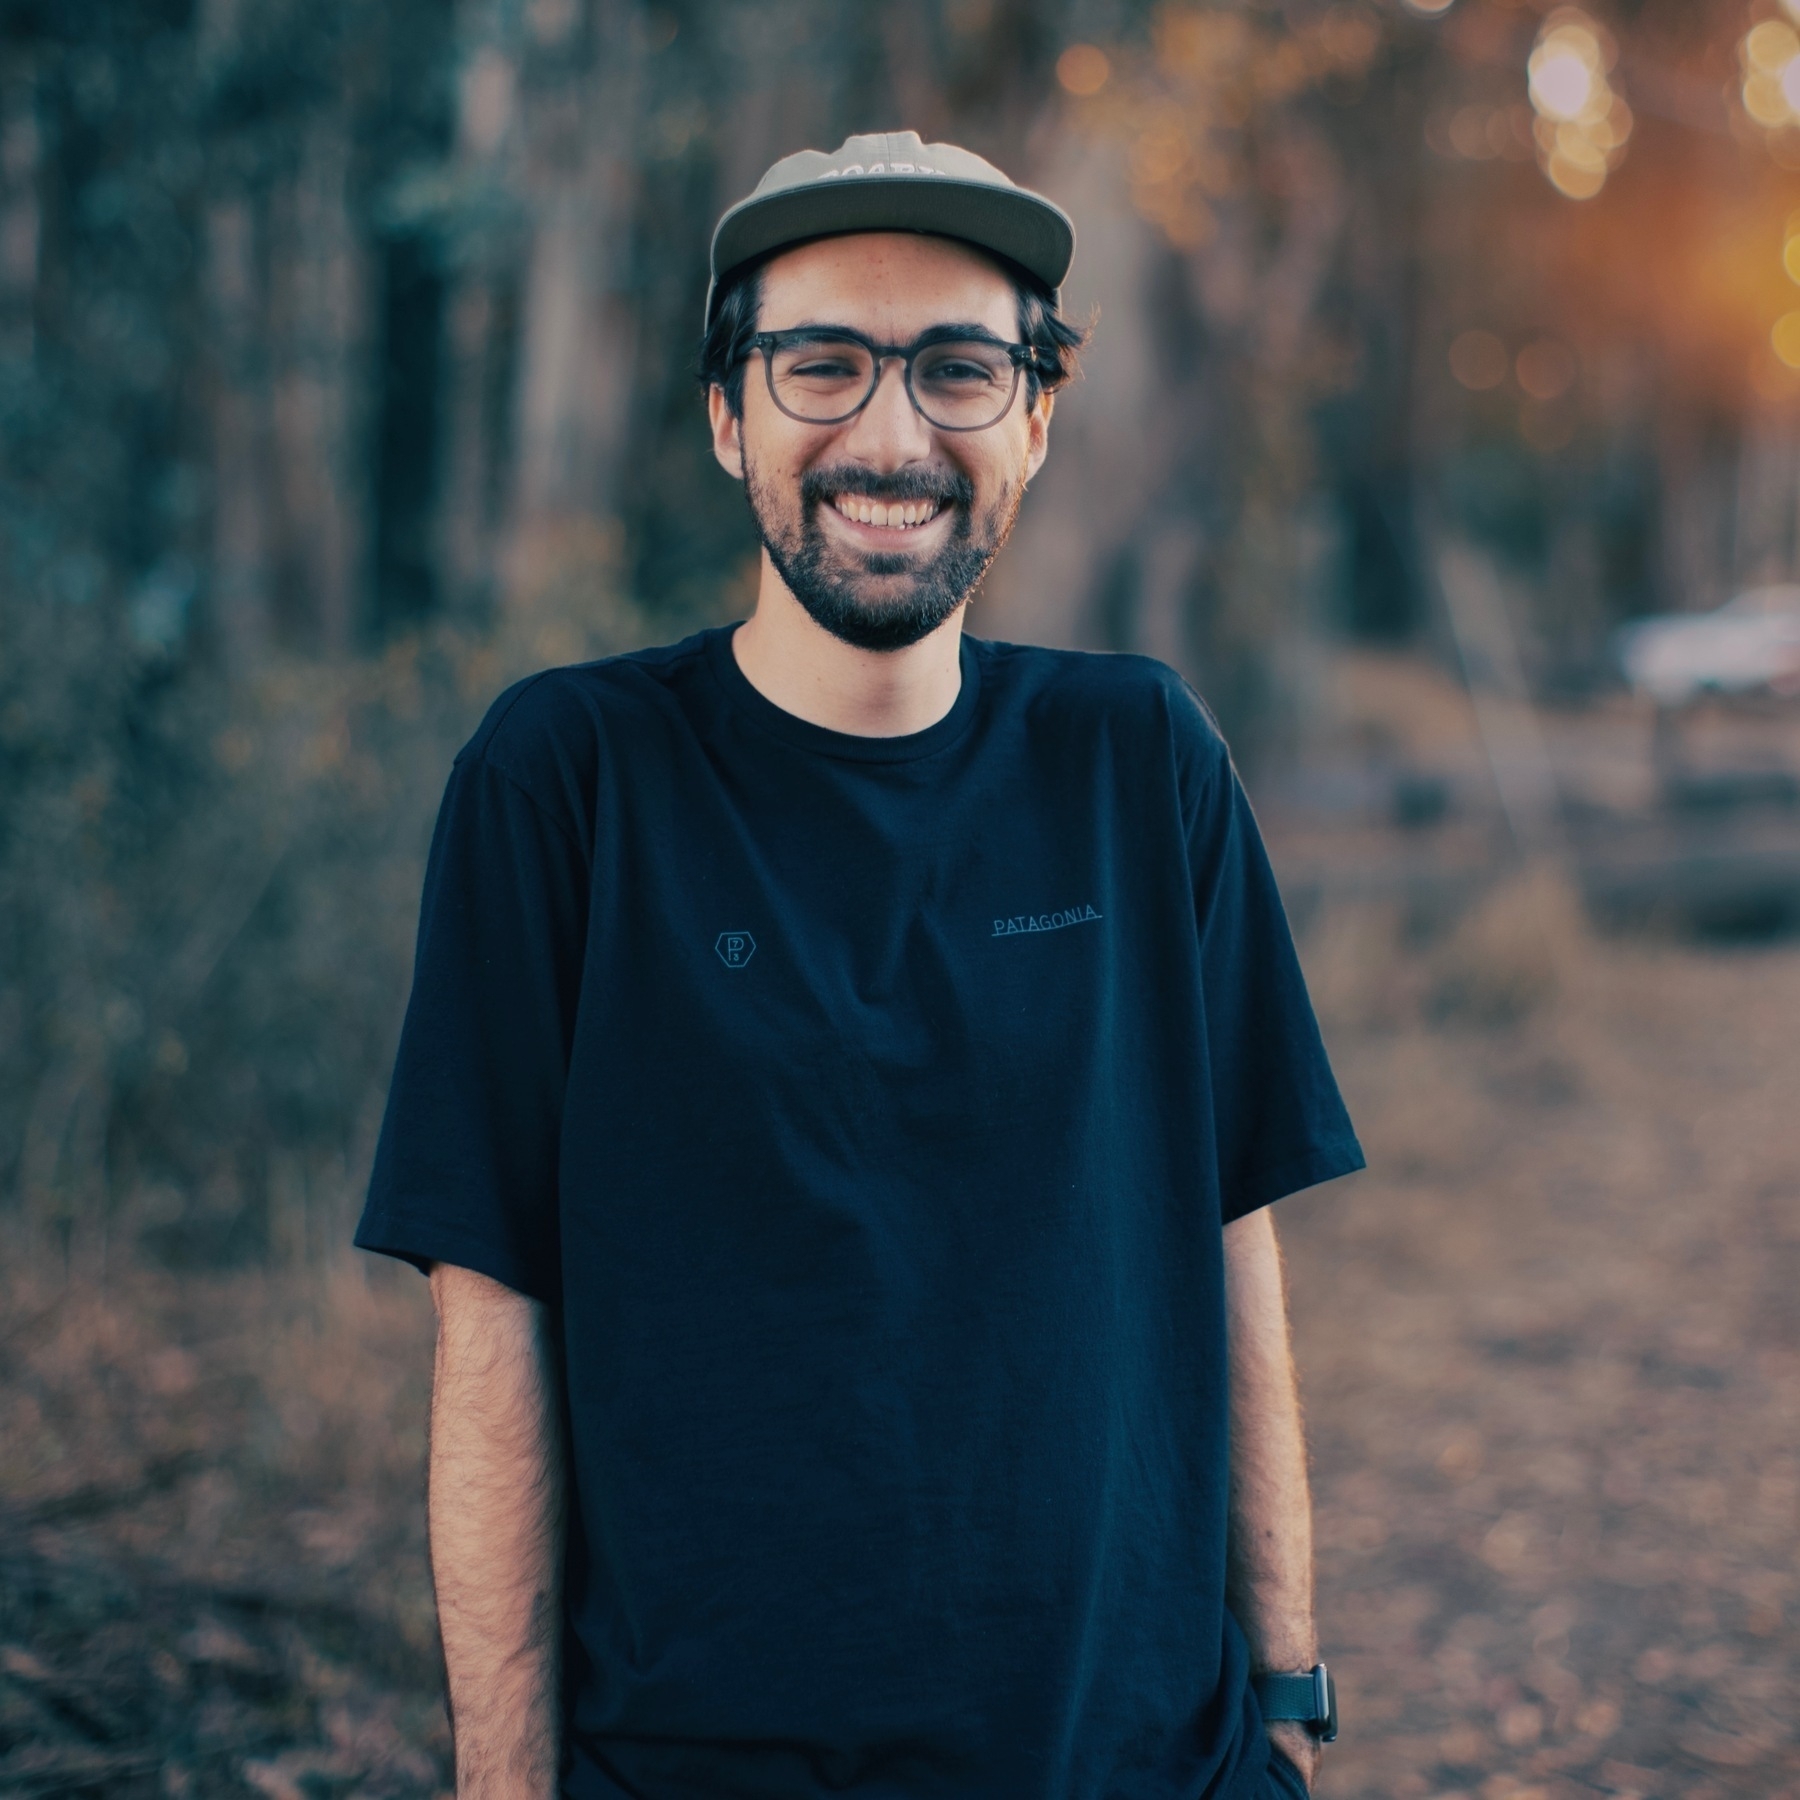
{"points": [[1551, 1351]]}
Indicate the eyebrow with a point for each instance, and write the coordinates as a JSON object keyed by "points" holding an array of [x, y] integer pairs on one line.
{"points": [[951, 328]]}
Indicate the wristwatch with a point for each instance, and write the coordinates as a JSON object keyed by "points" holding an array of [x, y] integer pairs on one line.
{"points": [[1309, 1700]]}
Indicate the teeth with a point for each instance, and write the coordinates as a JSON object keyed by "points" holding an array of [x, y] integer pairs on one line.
{"points": [[899, 516]]}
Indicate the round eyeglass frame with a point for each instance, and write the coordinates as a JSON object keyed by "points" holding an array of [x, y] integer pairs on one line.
{"points": [[1021, 356]]}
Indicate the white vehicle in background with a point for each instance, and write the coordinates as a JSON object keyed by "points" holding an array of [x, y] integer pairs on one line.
{"points": [[1750, 645]]}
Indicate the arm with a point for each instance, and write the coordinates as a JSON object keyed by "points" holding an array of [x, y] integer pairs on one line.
{"points": [[496, 1514], [1269, 1569]]}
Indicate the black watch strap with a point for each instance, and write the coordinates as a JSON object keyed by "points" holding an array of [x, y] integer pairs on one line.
{"points": [[1309, 1700]]}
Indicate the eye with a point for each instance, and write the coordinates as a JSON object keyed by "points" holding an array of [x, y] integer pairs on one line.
{"points": [[963, 366], [823, 362], [822, 367]]}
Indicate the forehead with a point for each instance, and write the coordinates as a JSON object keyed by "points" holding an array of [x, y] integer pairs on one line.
{"points": [[889, 284]]}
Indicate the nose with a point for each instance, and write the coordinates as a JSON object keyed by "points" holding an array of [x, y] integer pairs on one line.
{"points": [[888, 433]]}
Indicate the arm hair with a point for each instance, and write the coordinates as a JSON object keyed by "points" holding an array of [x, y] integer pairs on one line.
{"points": [[1269, 1567], [496, 1517]]}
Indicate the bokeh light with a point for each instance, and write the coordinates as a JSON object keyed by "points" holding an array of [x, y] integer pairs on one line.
{"points": [[1785, 339], [1561, 83], [1546, 369], [1478, 360], [1428, 9], [1083, 69], [1183, 107], [1770, 54], [1582, 125]]}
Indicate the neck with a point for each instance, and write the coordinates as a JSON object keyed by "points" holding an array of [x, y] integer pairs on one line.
{"points": [[792, 660]]}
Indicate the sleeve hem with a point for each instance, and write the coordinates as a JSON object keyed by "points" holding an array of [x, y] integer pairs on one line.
{"points": [[421, 1243], [1342, 1156]]}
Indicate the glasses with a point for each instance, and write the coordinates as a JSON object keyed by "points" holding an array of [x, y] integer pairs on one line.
{"points": [[823, 376]]}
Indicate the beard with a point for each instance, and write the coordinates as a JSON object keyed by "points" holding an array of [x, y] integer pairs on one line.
{"points": [[832, 583]]}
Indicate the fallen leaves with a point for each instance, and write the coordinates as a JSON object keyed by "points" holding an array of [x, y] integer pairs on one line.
{"points": [[1549, 1341]]}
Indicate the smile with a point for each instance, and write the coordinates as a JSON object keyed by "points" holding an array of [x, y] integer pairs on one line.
{"points": [[890, 515]]}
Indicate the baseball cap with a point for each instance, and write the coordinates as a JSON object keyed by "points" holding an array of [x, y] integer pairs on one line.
{"points": [[892, 181]]}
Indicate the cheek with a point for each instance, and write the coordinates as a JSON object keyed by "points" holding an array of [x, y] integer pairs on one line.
{"points": [[765, 471], [776, 458], [766, 444], [1004, 464]]}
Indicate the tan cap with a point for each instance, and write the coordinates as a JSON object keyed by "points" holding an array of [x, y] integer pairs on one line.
{"points": [[892, 181]]}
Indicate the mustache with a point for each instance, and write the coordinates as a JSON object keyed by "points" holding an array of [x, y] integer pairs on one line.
{"points": [[947, 486]]}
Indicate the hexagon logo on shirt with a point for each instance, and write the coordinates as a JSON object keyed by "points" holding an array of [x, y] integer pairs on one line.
{"points": [[735, 948]]}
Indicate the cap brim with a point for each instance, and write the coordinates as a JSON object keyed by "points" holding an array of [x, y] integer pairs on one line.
{"points": [[1012, 222]]}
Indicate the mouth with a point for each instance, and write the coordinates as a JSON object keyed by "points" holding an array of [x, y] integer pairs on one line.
{"points": [[892, 519]]}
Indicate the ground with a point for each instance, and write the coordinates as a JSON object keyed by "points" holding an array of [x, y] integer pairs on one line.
{"points": [[1549, 1346], [1551, 1356]]}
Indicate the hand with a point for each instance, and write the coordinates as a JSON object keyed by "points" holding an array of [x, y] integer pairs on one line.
{"points": [[1298, 1745]]}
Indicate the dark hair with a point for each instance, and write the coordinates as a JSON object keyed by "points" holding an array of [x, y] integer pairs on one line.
{"points": [[726, 346]]}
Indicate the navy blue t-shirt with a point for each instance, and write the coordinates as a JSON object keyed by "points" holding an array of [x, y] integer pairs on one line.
{"points": [[868, 1110]]}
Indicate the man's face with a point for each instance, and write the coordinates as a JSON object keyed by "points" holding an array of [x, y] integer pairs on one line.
{"points": [[831, 502]]}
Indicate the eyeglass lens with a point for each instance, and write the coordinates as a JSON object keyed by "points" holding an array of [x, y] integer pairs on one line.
{"points": [[960, 385]]}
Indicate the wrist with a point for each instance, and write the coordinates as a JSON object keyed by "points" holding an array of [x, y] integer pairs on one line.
{"points": [[1295, 1645], [1299, 1709]]}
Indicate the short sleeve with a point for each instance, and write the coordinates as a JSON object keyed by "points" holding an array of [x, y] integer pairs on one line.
{"points": [[1279, 1122], [466, 1168]]}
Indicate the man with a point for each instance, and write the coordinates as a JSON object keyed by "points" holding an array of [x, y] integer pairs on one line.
{"points": [[847, 1070]]}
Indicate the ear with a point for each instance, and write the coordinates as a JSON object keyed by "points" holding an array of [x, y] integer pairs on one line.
{"points": [[727, 433], [1037, 433]]}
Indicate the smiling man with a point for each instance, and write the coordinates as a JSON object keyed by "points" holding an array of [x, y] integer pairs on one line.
{"points": [[848, 1068]]}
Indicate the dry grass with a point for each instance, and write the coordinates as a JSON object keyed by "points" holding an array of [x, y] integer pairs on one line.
{"points": [[1551, 1356], [212, 1571]]}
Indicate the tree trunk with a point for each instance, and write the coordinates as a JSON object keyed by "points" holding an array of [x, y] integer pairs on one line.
{"points": [[318, 334], [20, 155], [577, 340], [241, 571]]}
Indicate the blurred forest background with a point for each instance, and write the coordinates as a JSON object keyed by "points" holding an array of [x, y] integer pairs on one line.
{"points": [[346, 363], [346, 371]]}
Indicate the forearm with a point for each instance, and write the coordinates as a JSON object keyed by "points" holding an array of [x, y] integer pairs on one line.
{"points": [[496, 1517], [1269, 1569]]}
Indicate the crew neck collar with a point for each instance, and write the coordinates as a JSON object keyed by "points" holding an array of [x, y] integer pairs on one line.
{"points": [[821, 740]]}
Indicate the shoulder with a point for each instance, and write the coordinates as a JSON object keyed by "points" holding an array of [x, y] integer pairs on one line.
{"points": [[559, 716], [549, 734], [1133, 700]]}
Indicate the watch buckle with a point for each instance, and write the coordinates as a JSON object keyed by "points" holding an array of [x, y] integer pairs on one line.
{"points": [[1325, 1714]]}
